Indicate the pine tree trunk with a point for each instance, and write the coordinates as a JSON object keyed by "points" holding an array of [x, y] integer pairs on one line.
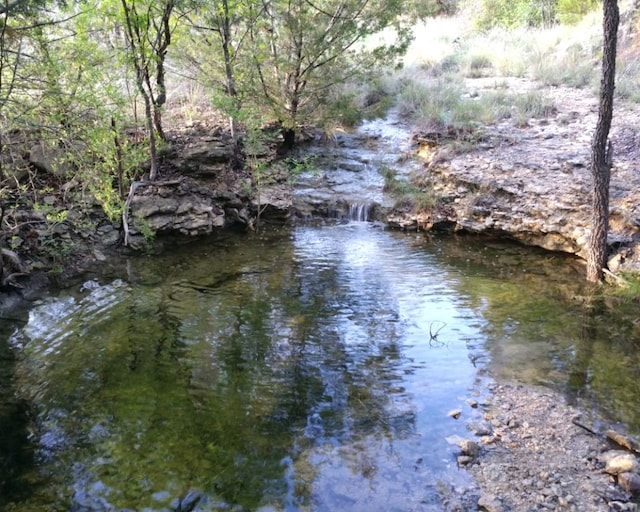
{"points": [[601, 150]]}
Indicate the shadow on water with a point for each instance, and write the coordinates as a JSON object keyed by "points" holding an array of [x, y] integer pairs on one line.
{"points": [[292, 370], [17, 454]]}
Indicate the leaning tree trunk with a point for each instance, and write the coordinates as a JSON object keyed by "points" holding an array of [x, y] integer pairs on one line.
{"points": [[601, 151]]}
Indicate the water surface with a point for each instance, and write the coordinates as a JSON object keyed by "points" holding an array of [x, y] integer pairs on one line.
{"points": [[299, 369]]}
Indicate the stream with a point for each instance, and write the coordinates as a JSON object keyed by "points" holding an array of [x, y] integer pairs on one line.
{"points": [[302, 368]]}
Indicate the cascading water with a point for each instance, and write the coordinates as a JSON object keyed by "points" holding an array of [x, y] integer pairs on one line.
{"points": [[359, 212]]}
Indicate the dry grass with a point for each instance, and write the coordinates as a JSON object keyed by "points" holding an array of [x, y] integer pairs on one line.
{"points": [[435, 88]]}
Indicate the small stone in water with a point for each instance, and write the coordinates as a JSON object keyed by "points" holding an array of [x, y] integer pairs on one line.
{"points": [[469, 448], [464, 460], [455, 413], [480, 429]]}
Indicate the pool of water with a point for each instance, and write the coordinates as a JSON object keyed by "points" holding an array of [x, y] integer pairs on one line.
{"points": [[307, 368]]}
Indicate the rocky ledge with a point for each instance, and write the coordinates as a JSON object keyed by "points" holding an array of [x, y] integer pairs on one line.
{"points": [[532, 182]]}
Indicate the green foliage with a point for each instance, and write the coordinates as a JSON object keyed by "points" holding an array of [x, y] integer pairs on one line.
{"points": [[111, 202], [627, 79], [572, 11], [143, 227], [627, 288], [298, 166], [284, 70], [514, 13], [478, 65], [422, 9], [444, 107], [440, 105], [530, 13]]}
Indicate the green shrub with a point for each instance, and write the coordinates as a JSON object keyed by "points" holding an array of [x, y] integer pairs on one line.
{"points": [[531, 13], [572, 11], [439, 104], [442, 105], [478, 65], [514, 13]]}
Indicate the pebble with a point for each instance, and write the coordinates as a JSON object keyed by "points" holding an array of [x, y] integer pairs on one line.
{"points": [[490, 503], [464, 460], [555, 469], [480, 429]]}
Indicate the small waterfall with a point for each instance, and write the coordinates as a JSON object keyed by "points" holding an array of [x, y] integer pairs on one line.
{"points": [[359, 212]]}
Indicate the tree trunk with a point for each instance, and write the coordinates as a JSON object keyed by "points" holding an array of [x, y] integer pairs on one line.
{"points": [[143, 82], [288, 140], [160, 47], [601, 150], [153, 152], [237, 159]]}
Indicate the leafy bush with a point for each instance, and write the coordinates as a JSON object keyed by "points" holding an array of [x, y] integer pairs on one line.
{"points": [[514, 13], [439, 105], [422, 9], [572, 11], [478, 65], [409, 195], [531, 13]]}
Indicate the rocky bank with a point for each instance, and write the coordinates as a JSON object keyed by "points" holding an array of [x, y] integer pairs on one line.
{"points": [[533, 452], [531, 182]]}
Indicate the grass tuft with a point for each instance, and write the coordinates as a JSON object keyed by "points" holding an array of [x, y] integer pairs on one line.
{"points": [[413, 196]]}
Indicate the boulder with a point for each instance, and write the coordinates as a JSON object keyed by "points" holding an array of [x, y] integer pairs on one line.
{"points": [[188, 215], [205, 158], [50, 159], [183, 207], [274, 201]]}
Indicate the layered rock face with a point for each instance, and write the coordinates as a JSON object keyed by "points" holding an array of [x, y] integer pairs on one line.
{"points": [[203, 197], [532, 183]]}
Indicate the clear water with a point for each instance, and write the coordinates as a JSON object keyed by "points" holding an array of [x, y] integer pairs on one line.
{"points": [[299, 369]]}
